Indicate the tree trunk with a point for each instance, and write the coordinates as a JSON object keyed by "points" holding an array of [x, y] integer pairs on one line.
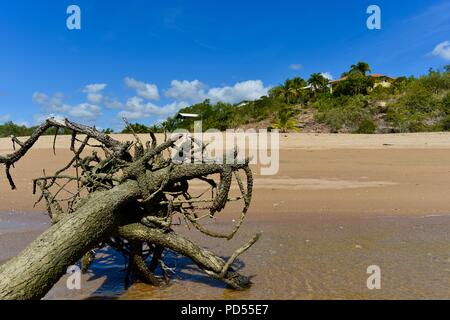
{"points": [[32, 273], [144, 181]]}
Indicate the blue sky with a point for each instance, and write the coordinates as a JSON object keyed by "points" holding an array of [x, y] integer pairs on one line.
{"points": [[146, 59]]}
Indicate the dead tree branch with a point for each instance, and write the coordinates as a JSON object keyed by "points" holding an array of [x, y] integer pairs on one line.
{"points": [[127, 202]]}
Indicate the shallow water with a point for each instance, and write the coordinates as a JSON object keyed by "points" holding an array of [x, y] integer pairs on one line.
{"points": [[310, 257], [17, 222], [301, 257], [17, 230]]}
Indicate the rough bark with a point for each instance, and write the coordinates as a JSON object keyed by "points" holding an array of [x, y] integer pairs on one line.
{"points": [[129, 205], [33, 273]]}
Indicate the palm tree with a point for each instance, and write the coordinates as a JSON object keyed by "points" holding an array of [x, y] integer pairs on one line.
{"points": [[293, 94], [289, 94], [295, 82], [284, 93], [284, 121], [276, 91], [318, 82], [361, 67]]}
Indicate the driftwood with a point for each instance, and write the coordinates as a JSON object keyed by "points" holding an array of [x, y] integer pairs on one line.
{"points": [[125, 200]]}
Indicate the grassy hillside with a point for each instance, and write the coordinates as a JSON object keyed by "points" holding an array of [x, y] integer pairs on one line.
{"points": [[356, 106]]}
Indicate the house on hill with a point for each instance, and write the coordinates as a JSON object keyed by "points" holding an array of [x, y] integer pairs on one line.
{"points": [[379, 79]]}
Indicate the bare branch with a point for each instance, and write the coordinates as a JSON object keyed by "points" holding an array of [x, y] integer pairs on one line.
{"points": [[127, 202]]}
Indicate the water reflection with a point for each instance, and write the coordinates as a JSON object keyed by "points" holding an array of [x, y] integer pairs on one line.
{"points": [[299, 257]]}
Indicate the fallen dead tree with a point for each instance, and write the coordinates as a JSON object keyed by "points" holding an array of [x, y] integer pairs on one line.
{"points": [[125, 199]]}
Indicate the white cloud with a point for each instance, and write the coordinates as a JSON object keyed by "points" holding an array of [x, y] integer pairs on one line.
{"points": [[112, 103], [193, 91], [95, 98], [247, 90], [136, 108], [40, 98], [442, 50], [327, 75], [171, 108], [144, 90], [85, 111], [95, 87], [94, 92], [5, 118], [51, 104], [54, 106], [183, 93], [196, 91], [295, 66]]}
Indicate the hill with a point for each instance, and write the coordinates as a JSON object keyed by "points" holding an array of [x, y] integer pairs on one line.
{"points": [[357, 103]]}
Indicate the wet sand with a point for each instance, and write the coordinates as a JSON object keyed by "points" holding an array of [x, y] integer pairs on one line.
{"points": [[339, 204]]}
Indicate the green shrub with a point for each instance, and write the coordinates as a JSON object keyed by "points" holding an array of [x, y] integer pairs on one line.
{"points": [[284, 121], [9, 128], [416, 125], [367, 126], [136, 128], [446, 104], [435, 81], [418, 99], [355, 84], [381, 93], [334, 118], [445, 123], [404, 120], [344, 111]]}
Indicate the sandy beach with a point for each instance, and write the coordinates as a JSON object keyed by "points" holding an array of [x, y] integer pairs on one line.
{"points": [[338, 204]]}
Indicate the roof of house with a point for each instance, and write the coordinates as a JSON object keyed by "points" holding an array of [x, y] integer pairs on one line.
{"points": [[379, 75], [373, 75], [187, 115]]}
